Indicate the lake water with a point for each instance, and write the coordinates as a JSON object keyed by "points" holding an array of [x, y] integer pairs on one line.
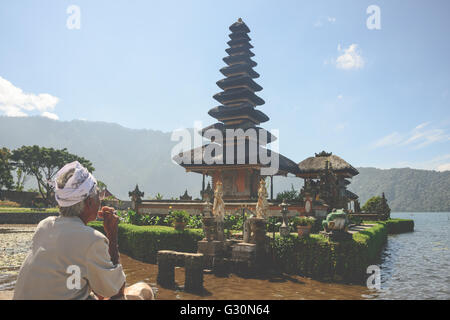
{"points": [[413, 265]]}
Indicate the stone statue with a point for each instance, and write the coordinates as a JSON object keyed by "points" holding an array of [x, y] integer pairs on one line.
{"points": [[219, 205], [337, 220], [262, 205]]}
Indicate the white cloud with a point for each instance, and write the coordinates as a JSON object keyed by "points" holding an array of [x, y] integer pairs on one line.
{"points": [[320, 21], [341, 126], [50, 115], [340, 96], [16, 103], [12, 111], [419, 137], [350, 58], [389, 140], [439, 163], [444, 167]]}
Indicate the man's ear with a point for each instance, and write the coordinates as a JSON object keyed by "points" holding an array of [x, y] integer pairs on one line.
{"points": [[88, 202]]}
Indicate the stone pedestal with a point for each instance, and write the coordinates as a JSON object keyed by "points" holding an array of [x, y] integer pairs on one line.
{"points": [[221, 267], [243, 252], [179, 258], [243, 257], [210, 249], [193, 265], [210, 228], [258, 230], [166, 260], [246, 232], [220, 231], [285, 231]]}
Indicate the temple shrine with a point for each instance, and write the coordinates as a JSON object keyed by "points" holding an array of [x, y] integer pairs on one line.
{"points": [[326, 178], [237, 144], [237, 111]]}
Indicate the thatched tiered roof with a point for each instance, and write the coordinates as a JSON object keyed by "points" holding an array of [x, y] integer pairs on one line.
{"points": [[194, 159], [237, 114], [313, 166]]}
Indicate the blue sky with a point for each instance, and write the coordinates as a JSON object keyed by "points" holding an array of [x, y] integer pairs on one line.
{"points": [[374, 97]]}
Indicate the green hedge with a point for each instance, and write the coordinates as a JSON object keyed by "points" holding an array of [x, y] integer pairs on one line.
{"points": [[314, 256], [319, 258], [395, 226], [143, 242]]}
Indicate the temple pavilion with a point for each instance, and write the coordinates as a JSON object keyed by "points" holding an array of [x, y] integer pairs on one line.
{"points": [[239, 172], [326, 177]]}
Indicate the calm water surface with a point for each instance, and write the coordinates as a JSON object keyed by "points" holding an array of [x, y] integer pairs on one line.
{"points": [[413, 266]]}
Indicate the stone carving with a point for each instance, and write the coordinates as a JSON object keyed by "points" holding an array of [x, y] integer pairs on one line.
{"points": [[323, 154], [219, 205], [136, 197], [262, 205], [186, 196], [284, 228], [337, 220], [208, 193], [219, 210]]}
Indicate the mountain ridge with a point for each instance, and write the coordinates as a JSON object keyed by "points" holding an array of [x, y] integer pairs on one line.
{"points": [[124, 157]]}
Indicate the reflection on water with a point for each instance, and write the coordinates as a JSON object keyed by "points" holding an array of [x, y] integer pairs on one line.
{"points": [[234, 287], [413, 266]]}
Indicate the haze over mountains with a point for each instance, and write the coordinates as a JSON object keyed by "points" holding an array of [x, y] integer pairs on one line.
{"points": [[123, 157]]}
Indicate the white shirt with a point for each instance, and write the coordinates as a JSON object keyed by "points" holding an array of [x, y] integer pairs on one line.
{"points": [[63, 242]]}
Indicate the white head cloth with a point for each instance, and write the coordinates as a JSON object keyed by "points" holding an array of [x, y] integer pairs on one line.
{"points": [[80, 185]]}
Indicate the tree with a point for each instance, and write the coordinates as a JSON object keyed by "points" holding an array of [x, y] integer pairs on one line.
{"points": [[378, 205], [101, 185], [289, 195], [43, 163], [6, 178], [21, 178]]}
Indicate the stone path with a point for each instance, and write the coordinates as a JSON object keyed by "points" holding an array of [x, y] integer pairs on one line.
{"points": [[355, 229]]}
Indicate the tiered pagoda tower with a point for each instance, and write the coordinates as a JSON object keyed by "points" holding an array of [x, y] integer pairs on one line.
{"points": [[238, 97], [237, 110]]}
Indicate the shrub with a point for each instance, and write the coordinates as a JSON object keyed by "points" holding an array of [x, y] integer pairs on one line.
{"points": [[143, 242], [195, 222], [274, 223], [7, 203], [235, 222], [395, 226], [303, 221], [179, 216], [319, 258], [289, 195], [376, 205]]}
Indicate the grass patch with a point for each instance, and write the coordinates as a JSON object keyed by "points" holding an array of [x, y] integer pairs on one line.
{"points": [[28, 210]]}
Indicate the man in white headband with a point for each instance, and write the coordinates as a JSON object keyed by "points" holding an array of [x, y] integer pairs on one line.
{"points": [[68, 259]]}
